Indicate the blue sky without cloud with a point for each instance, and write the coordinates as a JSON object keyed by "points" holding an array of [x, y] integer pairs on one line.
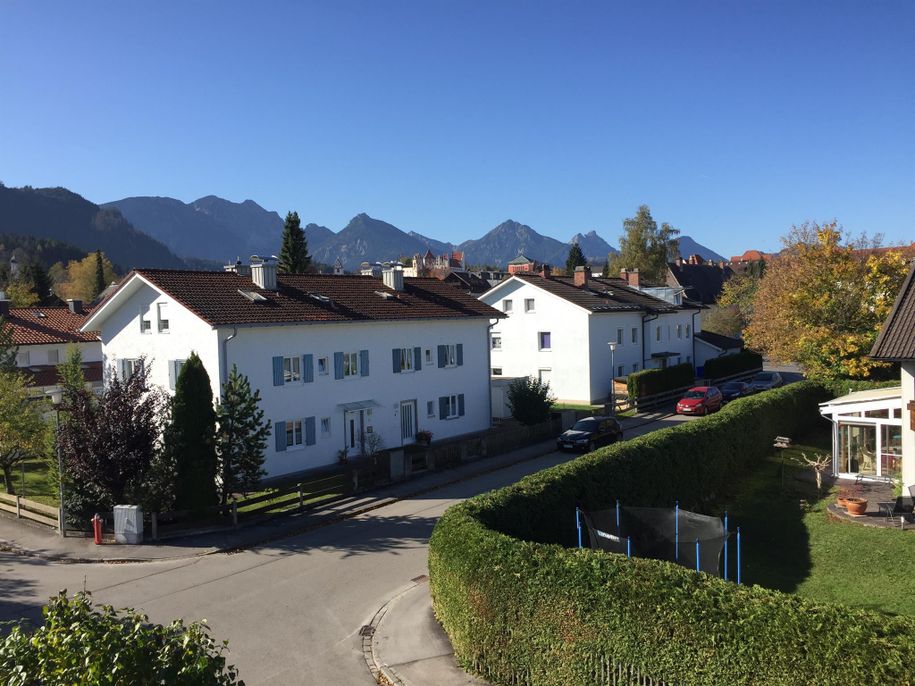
{"points": [[731, 119]]}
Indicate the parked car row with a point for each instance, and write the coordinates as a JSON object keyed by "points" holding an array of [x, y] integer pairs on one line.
{"points": [[702, 400]]}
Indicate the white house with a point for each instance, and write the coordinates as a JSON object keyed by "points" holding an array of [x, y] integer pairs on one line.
{"points": [[558, 329], [42, 335], [337, 358], [710, 345]]}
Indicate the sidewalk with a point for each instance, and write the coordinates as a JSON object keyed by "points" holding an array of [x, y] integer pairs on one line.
{"points": [[25, 538], [408, 645]]}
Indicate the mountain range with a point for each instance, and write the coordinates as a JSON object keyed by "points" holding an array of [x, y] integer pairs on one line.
{"points": [[210, 231]]}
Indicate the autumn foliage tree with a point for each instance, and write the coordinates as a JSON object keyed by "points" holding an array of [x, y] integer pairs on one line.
{"points": [[822, 301], [645, 247], [83, 277]]}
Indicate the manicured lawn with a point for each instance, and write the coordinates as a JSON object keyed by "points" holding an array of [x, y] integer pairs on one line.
{"points": [[32, 481], [790, 544]]}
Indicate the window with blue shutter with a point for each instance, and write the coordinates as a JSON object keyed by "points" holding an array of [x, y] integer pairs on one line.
{"points": [[460, 354], [461, 405], [395, 360], [308, 368], [364, 362], [279, 433], [417, 358], [443, 407], [278, 371], [442, 352], [338, 365], [309, 431]]}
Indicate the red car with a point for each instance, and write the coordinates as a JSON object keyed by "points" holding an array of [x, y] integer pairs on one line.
{"points": [[700, 400]]}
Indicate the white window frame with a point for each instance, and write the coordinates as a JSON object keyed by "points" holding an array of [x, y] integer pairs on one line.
{"points": [[134, 363], [507, 306], [162, 322], [176, 366], [406, 360], [350, 365], [292, 369], [323, 366], [679, 331], [540, 345], [497, 371], [428, 356], [530, 306], [619, 336], [430, 409], [452, 407], [145, 322], [325, 427], [635, 334], [495, 341], [296, 429]]}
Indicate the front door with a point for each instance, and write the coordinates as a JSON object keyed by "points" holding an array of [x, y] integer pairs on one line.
{"points": [[408, 421], [354, 425]]}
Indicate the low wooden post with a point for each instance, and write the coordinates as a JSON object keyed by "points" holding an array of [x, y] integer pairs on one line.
{"points": [[234, 513], [18, 508], [301, 497], [355, 480], [154, 525], [60, 521]]}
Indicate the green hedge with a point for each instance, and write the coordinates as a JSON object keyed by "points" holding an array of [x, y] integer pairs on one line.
{"points": [[718, 367], [840, 387], [523, 606], [651, 381]]}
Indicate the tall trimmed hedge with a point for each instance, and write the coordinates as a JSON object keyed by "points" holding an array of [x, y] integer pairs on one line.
{"points": [[718, 367], [652, 381], [522, 605]]}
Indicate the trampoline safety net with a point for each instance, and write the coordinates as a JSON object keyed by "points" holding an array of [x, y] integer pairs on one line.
{"points": [[660, 534]]}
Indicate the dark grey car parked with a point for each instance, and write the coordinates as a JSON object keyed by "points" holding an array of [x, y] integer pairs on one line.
{"points": [[765, 381], [589, 433]]}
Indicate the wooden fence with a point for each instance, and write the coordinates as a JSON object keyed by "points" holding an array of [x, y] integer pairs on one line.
{"points": [[29, 509]]}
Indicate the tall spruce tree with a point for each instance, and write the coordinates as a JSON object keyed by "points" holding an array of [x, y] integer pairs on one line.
{"points": [[241, 437], [190, 438], [35, 274], [99, 274], [576, 258], [294, 257]]}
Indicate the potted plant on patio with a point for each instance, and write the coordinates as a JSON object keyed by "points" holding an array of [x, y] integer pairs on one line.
{"points": [[842, 498], [423, 437], [856, 506]]}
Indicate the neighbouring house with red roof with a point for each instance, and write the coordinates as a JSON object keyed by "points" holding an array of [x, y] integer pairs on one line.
{"points": [[340, 361], [42, 336], [560, 330]]}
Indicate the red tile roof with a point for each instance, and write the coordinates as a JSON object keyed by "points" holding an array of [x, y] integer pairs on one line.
{"points": [[603, 294], [48, 325], [215, 297]]}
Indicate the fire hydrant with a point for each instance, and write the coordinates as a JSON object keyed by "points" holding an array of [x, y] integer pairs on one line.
{"points": [[97, 529]]}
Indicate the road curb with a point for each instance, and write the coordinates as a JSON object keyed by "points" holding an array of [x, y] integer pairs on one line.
{"points": [[381, 671]]}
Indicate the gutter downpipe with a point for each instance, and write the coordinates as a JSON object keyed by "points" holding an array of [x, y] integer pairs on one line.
{"points": [[699, 311], [225, 359], [489, 365]]}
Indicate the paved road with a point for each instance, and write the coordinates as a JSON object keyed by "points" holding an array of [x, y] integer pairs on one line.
{"points": [[292, 610]]}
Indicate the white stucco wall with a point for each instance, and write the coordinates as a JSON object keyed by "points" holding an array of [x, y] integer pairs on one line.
{"points": [[42, 354], [254, 348], [603, 329], [908, 436], [122, 338], [566, 364]]}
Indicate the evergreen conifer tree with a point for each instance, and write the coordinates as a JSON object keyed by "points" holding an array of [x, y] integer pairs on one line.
{"points": [[8, 348], [37, 277], [241, 437], [294, 257], [99, 274], [576, 258], [190, 437]]}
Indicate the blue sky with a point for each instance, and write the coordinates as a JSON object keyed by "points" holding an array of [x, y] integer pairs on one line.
{"points": [[731, 119]]}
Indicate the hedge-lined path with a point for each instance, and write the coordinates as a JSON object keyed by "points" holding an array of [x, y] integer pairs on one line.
{"points": [[291, 609]]}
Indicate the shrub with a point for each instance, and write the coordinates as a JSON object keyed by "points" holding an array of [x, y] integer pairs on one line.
{"points": [[520, 608], [718, 367], [82, 644], [652, 381], [839, 387], [530, 400]]}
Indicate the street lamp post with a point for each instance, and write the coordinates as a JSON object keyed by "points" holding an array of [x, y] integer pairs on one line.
{"points": [[612, 380], [56, 399]]}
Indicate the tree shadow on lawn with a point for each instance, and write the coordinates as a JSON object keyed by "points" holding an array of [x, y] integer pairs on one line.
{"points": [[769, 507]]}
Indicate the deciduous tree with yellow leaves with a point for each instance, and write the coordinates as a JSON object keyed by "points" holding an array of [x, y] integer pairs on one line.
{"points": [[83, 277], [823, 299]]}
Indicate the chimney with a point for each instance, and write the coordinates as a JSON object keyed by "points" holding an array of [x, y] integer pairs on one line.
{"points": [[238, 268], [545, 271], [392, 276], [76, 306], [678, 261], [263, 273], [4, 305], [632, 277], [581, 277]]}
